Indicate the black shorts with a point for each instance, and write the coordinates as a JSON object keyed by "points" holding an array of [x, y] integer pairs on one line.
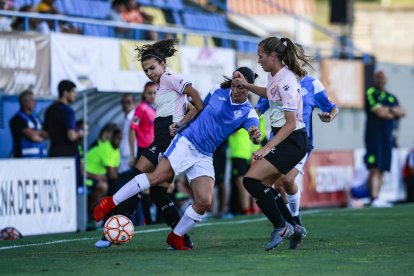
{"points": [[287, 154], [239, 166], [162, 139]]}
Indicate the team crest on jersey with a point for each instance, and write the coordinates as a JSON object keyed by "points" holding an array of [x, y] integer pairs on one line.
{"points": [[237, 114], [222, 99], [286, 87]]}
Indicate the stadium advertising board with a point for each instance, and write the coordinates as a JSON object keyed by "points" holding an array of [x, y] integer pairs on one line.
{"points": [[327, 175], [38, 196], [105, 63], [344, 81], [205, 67], [24, 63]]}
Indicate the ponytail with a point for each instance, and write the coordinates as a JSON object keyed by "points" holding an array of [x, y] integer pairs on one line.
{"points": [[290, 53]]}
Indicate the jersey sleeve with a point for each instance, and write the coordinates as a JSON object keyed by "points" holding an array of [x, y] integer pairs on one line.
{"points": [[289, 88], [175, 82], [109, 157], [262, 105], [321, 97], [372, 99], [136, 118], [70, 119], [251, 120], [208, 97]]}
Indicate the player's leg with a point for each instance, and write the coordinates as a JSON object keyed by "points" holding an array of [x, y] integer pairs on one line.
{"points": [[139, 183], [202, 188]]}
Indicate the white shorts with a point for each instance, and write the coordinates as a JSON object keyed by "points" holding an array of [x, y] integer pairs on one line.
{"points": [[299, 166], [185, 158]]}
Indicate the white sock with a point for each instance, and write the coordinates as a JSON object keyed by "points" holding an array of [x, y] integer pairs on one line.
{"points": [[294, 202], [187, 221], [137, 184]]}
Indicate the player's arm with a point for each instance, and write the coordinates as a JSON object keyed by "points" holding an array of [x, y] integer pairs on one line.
{"points": [[193, 93], [376, 107], [327, 117], [262, 105], [131, 141], [255, 135], [191, 112], [238, 79]]}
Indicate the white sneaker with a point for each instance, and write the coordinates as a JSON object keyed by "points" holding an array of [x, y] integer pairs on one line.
{"points": [[102, 243], [378, 203]]}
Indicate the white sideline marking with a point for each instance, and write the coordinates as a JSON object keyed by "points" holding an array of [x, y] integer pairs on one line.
{"points": [[147, 231]]}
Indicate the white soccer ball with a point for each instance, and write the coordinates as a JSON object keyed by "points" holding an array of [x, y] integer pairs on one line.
{"points": [[118, 229]]}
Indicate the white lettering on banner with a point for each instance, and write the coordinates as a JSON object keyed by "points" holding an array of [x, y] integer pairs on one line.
{"points": [[17, 53], [38, 196], [332, 178], [24, 79], [32, 196]]}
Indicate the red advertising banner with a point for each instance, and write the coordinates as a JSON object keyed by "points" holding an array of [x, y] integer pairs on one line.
{"points": [[327, 176]]}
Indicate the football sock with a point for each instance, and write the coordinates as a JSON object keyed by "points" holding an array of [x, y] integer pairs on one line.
{"points": [[294, 201], [187, 222], [165, 205], [134, 186], [128, 207], [284, 210], [265, 200]]}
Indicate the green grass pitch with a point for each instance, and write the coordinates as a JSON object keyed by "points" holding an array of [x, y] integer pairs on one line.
{"points": [[340, 242]]}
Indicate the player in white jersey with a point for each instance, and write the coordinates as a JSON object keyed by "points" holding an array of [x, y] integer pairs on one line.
{"points": [[171, 109], [279, 57], [226, 110]]}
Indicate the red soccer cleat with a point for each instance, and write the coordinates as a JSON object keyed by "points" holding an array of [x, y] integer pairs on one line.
{"points": [[105, 205], [176, 242]]}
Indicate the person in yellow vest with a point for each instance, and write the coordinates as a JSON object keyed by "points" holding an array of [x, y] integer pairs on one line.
{"points": [[102, 162]]}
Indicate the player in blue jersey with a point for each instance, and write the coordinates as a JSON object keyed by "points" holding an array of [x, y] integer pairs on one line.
{"points": [[226, 110], [313, 95]]}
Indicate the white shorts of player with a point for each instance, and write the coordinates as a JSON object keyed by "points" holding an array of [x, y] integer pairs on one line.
{"points": [[185, 158], [299, 166]]}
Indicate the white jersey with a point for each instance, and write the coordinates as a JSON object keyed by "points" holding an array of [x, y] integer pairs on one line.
{"points": [[170, 99]]}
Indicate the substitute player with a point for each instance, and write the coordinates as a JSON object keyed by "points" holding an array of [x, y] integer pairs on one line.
{"points": [[226, 110]]}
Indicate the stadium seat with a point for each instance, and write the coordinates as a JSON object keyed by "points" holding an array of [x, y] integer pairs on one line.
{"points": [[174, 4], [157, 14]]}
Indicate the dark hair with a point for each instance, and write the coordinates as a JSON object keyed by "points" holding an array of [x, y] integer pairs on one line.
{"points": [[24, 95], [290, 54], [160, 50], [65, 85], [109, 127], [148, 84], [248, 74]]}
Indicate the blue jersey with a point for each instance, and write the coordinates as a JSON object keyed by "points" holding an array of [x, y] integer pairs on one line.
{"points": [[218, 120], [313, 95]]}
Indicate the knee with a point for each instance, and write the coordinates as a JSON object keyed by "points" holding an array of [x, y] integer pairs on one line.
{"points": [[249, 183], [287, 183]]}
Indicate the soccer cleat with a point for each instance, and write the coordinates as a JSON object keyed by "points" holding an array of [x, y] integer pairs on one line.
{"points": [[187, 241], [378, 203], [105, 205], [278, 235], [297, 237], [176, 242], [102, 243]]}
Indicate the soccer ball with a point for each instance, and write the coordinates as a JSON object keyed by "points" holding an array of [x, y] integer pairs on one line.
{"points": [[118, 229]]}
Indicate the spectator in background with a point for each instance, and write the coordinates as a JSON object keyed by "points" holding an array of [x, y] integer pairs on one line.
{"points": [[27, 129], [5, 22], [141, 133], [19, 22], [240, 153], [60, 123], [133, 14], [408, 176], [382, 110], [219, 164], [102, 163], [128, 108]]}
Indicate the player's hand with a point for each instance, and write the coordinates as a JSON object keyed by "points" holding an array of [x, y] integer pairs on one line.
{"points": [[239, 80], [132, 161], [325, 117], [259, 154], [255, 134], [174, 127]]}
